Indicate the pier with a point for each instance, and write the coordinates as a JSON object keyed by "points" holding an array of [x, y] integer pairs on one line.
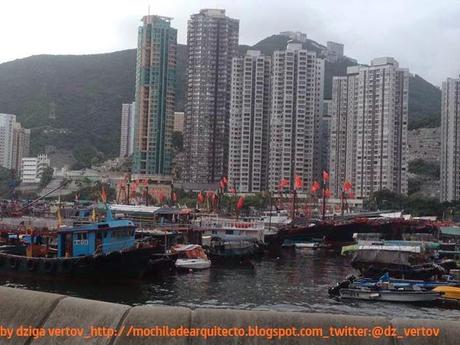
{"points": [[66, 316]]}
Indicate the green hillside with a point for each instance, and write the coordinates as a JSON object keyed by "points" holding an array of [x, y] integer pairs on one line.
{"points": [[74, 102]]}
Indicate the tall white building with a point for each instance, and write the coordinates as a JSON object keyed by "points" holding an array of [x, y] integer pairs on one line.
{"points": [[14, 142], [7, 124], [369, 128], [297, 96], [127, 129], [33, 168], [212, 42], [450, 140], [249, 122]]}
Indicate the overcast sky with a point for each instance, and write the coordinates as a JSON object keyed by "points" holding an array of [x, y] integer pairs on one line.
{"points": [[423, 35]]}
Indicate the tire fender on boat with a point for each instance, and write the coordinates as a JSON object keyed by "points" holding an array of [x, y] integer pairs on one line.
{"points": [[31, 265]]}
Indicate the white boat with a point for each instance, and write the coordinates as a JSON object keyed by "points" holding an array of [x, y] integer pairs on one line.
{"points": [[193, 264], [407, 296], [191, 257], [228, 226]]}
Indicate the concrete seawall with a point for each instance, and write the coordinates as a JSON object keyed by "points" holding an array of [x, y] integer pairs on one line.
{"points": [[50, 311]]}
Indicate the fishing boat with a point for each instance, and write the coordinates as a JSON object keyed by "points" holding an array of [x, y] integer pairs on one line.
{"points": [[449, 292], [233, 249], [106, 250], [191, 257]]}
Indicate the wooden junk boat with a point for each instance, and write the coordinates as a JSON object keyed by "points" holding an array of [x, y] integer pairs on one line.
{"points": [[105, 250]]}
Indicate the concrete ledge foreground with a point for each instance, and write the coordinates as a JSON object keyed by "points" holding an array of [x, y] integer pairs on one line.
{"points": [[47, 311]]}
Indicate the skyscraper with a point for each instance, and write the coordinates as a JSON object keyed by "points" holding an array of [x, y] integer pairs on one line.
{"points": [[450, 140], [127, 129], [155, 96], [297, 96], [212, 41], [21, 146], [369, 128], [7, 124], [249, 122]]}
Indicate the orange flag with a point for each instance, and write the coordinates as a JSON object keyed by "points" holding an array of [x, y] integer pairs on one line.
{"points": [[298, 182], [315, 187], [346, 186], [240, 203]]}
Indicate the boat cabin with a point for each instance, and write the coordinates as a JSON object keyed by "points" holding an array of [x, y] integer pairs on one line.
{"points": [[96, 238]]}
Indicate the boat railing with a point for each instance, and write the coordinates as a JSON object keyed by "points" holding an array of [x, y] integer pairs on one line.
{"points": [[232, 224]]}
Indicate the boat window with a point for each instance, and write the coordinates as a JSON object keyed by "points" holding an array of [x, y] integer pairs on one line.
{"points": [[82, 236], [229, 232], [121, 233]]}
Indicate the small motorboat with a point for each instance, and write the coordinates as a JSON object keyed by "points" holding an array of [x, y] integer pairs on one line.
{"points": [[191, 257], [448, 292], [383, 290], [389, 294]]}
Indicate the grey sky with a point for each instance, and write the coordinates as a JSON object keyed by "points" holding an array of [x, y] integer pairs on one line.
{"points": [[424, 35]]}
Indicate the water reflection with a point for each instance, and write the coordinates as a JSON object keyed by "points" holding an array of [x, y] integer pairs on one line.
{"points": [[285, 284]]}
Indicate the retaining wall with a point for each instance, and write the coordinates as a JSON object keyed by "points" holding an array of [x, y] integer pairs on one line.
{"points": [[44, 310]]}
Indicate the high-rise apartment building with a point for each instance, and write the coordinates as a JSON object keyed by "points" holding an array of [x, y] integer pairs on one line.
{"points": [[324, 134], [450, 140], [155, 96], [127, 129], [297, 96], [334, 51], [21, 146], [14, 142], [7, 124], [369, 128], [249, 122], [212, 41]]}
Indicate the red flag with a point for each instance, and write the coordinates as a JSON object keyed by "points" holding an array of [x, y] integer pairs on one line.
{"points": [[200, 198], [240, 203], [351, 195], [209, 194], [162, 197], [283, 183], [103, 195], [298, 182], [327, 193], [233, 190], [174, 197], [146, 182], [315, 187], [346, 186], [325, 175], [214, 199], [225, 180]]}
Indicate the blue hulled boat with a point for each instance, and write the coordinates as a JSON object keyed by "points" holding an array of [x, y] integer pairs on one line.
{"points": [[105, 250]]}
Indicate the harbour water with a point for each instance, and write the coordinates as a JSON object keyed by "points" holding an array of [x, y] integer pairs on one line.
{"points": [[297, 283]]}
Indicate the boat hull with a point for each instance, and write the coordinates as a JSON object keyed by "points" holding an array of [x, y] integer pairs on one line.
{"points": [[193, 264], [390, 296], [123, 265]]}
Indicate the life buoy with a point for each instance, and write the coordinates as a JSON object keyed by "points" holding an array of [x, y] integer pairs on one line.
{"points": [[13, 262], [31, 265]]}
